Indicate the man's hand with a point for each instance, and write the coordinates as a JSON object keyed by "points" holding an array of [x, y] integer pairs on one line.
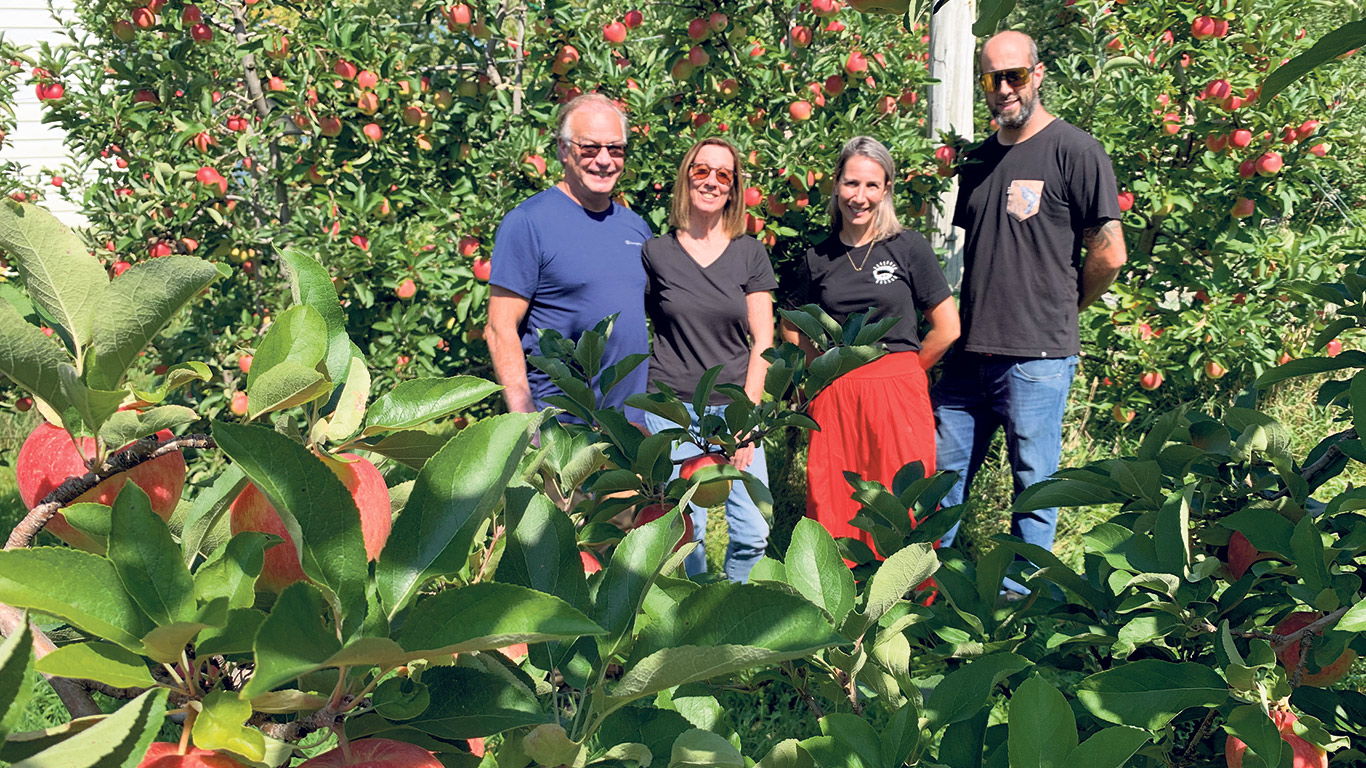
{"points": [[506, 311], [1105, 254], [742, 458]]}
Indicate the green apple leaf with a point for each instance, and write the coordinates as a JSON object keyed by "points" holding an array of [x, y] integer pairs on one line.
{"points": [[1043, 730], [147, 559], [231, 571], [697, 748], [896, 576], [467, 703], [401, 698], [314, 506], [490, 615], [963, 692], [177, 376], [16, 659], [136, 306], [208, 509], [311, 285], [542, 550], [298, 335], [91, 597], [30, 359], [61, 276], [93, 520], [1108, 748], [456, 490], [288, 700], [411, 447], [350, 410], [416, 402], [95, 406], [815, 569], [855, 735], [220, 726], [786, 754], [124, 427], [285, 385], [636, 563], [293, 640], [103, 662], [234, 638], [1148, 693], [120, 739]]}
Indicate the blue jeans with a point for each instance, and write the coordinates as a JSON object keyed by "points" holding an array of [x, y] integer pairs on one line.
{"points": [[979, 394], [748, 529]]}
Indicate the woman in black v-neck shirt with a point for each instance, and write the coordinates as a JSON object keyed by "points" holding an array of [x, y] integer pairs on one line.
{"points": [[708, 298], [877, 418]]}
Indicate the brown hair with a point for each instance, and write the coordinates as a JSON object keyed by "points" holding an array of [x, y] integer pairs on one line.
{"points": [[680, 207]]}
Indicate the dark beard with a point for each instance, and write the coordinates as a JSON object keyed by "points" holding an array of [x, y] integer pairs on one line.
{"points": [[1027, 107]]}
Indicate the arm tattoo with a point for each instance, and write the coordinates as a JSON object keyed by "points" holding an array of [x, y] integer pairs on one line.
{"points": [[1107, 235]]}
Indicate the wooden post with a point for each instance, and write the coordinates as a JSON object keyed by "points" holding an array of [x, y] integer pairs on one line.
{"points": [[953, 64]]}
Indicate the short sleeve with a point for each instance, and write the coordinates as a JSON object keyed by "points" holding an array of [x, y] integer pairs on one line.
{"points": [[646, 261], [760, 269], [798, 291], [1092, 187], [516, 256], [928, 285]]}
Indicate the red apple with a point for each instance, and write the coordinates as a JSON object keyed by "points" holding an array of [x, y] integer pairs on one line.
{"points": [[482, 269], [1215, 142], [1240, 138], [201, 33], [1284, 358], [459, 17], [712, 493], [143, 17], [1150, 380], [120, 267], [1202, 28], [376, 753], [372, 131], [633, 19], [801, 36], [1243, 208], [330, 125], [191, 15], [856, 64], [1306, 755], [1289, 656], [1319, 150], [1215, 370], [1126, 200], [1269, 164], [590, 562], [654, 512], [49, 457], [1333, 348], [367, 79], [23, 404], [1218, 89], [345, 69], [165, 754], [252, 511], [1241, 555], [614, 32], [1121, 414], [698, 29], [406, 289], [825, 8], [123, 30], [753, 196], [537, 162], [800, 110], [239, 404], [468, 246]]}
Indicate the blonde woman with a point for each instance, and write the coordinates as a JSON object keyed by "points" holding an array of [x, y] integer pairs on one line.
{"points": [[708, 297], [876, 418]]}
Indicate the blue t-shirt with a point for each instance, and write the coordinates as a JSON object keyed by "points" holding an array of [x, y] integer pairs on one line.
{"points": [[576, 267]]}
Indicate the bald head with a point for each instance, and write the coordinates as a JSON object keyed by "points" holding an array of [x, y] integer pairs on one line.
{"points": [[1009, 49]]}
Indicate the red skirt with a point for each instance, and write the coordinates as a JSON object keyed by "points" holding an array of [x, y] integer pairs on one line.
{"points": [[874, 420]]}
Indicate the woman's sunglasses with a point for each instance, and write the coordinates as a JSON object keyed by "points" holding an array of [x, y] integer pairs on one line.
{"points": [[1015, 76], [700, 171]]}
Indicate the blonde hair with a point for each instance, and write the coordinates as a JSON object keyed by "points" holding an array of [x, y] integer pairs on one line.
{"points": [[885, 222], [733, 214]]}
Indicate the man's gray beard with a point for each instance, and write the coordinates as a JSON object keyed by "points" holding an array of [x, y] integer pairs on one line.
{"points": [[1021, 118]]}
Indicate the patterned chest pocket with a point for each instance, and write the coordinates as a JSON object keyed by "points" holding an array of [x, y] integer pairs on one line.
{"points": [[1024, 199]]}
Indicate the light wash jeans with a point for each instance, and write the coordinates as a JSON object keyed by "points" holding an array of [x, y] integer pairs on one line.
{"points": [[980, 394], [748, 529]]}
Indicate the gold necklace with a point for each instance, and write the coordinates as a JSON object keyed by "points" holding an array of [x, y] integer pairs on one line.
{"points": [[866, 254]]}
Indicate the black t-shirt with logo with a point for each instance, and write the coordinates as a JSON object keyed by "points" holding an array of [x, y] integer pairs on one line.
{"points": [[700, 315], [1024, 208], [898, 277]]}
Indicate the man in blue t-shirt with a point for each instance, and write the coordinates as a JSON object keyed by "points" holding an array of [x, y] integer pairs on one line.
{"points": [[567, 258]]}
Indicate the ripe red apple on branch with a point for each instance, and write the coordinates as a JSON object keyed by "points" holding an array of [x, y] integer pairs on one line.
{"points": [[48, 457], [710, 493], [1289, 656], [376, 753], [165, 754], [1306, 755], [252, 511], [653, 513]]}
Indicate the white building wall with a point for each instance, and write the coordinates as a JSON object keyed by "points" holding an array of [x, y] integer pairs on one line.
{"points": [[36, 146]]}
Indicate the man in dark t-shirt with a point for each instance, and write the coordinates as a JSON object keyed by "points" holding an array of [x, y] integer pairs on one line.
{"points": [[567, 258], [1031, 197]]}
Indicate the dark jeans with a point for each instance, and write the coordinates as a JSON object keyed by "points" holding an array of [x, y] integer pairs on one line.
{"points": [[979, 394]]}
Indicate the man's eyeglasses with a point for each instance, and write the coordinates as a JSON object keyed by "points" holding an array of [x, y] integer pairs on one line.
{"points": [[590, 151], [1015, 76], [700, 171]]}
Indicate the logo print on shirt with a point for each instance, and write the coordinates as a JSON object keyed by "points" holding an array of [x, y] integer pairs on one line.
{"points": [[632, 242], [1024, 198], [884, 272]]}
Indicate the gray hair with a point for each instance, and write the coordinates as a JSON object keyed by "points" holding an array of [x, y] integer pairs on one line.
{"points": [[589, 101], [885, 222]]}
